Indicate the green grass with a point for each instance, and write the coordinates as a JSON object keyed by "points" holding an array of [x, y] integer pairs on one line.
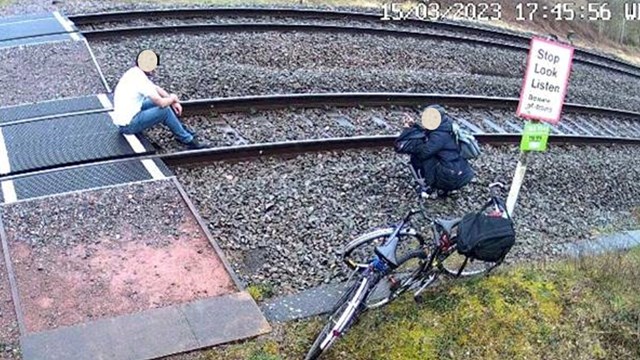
{"points": [[260, 292], [579, 309]]}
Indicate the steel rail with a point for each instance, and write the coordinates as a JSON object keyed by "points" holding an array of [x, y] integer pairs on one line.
{"points": [[523, 40], [309, 100], [249, 103], [242, 103], [190, 158], [245, 27]]}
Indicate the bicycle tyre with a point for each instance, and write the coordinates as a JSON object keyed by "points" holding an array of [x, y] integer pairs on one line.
{"points": [[370, 237], [416, 276], [348, 314], [451, 265]]}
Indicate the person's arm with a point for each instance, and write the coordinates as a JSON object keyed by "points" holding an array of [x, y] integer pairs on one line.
{"points": [[176, 104], [163, 101], [161, 91], [155, 93]]}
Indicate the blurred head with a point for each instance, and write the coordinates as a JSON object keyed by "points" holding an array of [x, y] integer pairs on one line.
{"points": [[147, 61], [432, 117]]}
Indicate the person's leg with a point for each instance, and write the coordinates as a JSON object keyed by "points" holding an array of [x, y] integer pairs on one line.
{"points": [[429, 171], [147, 104], [156, 115], [176, 126]]}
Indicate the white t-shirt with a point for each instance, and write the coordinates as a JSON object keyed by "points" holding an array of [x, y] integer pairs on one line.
{"points": [[132, 89]]}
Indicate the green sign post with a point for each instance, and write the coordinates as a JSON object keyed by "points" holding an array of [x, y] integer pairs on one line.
{"points": [[535, 136]]}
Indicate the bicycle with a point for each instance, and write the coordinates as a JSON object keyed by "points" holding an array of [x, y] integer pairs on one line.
{"points": [[378, 281]]}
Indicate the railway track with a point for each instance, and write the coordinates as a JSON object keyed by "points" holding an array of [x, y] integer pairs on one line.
{"points": [[105, 25], [623, 129]]}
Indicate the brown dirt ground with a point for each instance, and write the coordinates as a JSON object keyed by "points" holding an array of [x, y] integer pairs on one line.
{"points": [[9, 332], [87, 282]]}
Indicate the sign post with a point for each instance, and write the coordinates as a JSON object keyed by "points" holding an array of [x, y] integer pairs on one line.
{"points": [[543, 92]]}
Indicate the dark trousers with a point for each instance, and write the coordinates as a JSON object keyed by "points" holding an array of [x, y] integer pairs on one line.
{"points": [[440, 176]]}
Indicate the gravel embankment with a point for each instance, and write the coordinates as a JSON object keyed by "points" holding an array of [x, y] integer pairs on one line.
{"points": [[55, 71], [225, 129], [232, 64], [284, 221]]}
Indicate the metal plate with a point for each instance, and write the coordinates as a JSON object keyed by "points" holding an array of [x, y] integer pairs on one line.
{"points": [[22, 27], [49, 108], [64, 141], [83, 178]]}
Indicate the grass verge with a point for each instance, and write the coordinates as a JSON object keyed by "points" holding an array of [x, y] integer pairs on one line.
{"points": [[585, 308]]}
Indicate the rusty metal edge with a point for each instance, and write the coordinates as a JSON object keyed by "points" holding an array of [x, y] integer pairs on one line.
{"points": [[185, 197], [15, 294]]}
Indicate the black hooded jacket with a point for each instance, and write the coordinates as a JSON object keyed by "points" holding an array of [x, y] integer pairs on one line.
{"points": [[439, 142], [439, 145]]}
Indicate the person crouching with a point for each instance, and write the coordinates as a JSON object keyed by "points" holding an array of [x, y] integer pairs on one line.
{"points": [[434, 152]]}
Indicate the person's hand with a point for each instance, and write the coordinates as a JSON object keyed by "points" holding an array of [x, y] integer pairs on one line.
{"points": [[177, 108], [408, 121], [174, 98]]}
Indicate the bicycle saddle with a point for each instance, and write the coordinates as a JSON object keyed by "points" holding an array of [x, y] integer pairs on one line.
{"points": [[448, 225]]}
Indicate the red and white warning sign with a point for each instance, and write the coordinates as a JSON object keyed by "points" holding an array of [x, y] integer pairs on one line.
{"points": [[545, 83]]}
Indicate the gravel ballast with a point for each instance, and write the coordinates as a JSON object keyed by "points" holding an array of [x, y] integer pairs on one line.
{"points": [[36, 73], [284, 221], [236, 64]]}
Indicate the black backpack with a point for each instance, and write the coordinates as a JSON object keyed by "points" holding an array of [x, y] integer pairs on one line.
{"points": [[484, 237]]}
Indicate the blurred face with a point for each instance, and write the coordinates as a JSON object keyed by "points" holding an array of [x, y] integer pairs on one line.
{"points": [[148, 61], [431, 119]]}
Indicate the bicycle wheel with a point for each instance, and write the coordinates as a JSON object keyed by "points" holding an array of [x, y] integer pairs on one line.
{"points": [[342, 317], [358, 254], [410, 273], [452, 263]]}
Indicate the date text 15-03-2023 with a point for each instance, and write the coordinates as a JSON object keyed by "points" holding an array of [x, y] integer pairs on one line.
{"points": [[529, 11]]}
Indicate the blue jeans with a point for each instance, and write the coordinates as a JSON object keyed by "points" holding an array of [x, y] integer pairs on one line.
{"points": [[150, 115]]}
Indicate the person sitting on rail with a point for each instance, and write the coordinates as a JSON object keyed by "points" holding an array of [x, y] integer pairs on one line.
{"points": [[436, 157], [140, 104]]}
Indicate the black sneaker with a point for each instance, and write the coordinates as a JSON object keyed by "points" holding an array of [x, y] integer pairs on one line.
{"points": [[195, 144]]}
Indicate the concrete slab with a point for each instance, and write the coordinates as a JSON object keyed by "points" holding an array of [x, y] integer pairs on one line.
{"points": [[152, 333], [312, 302], [225, 318], [304, 304], [145, 335], [613, 242]]}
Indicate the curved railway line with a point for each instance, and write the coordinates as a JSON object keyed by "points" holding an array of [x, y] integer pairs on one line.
{"points": [[370, 24], [625, 131]]}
